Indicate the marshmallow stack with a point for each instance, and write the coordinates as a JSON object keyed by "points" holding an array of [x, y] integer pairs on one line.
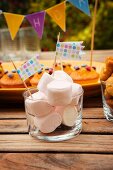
{"points": [[54, 103]]}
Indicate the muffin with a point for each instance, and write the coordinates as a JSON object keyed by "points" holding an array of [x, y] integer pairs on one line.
{"points": [[34, 80], [11, 80], [67, 68], [57, 66], [37, 76], [84, 74]]}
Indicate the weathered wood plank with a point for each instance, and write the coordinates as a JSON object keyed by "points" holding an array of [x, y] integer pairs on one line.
{"points": [[81, 144], [34, 161], [13, 126], [20, 113], [96, 113], [100, 126], [89, 126], [12, 114]]}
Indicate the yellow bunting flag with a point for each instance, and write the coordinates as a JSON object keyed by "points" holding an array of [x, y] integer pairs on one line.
{"points": [[13, 21], [57, 12]]}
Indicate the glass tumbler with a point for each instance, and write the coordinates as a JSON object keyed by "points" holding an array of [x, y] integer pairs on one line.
{"points": [[30, 41], [107, 100], [9, 47], [63, 131]]}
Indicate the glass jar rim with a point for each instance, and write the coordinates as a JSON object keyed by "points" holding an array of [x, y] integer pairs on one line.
{"points": [[27, 92]]}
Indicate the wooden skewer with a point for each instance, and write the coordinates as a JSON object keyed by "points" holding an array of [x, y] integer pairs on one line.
{"points": [[58, 39], [55, 58], [20, 77], [61, 63], [93, 32], [54, 65]]}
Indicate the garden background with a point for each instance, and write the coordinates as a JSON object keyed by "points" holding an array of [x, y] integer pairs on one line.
{"points": [[78, 24]]}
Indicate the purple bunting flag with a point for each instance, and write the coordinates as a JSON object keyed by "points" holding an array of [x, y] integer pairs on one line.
{"points": [[37, 22]]}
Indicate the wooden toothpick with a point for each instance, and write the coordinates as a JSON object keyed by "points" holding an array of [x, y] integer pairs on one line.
{"points": [[58, 37], [55, 58], [93, 32]]}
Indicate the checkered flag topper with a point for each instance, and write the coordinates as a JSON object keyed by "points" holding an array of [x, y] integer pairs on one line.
{"points": [[29, 68], [69, 49]]}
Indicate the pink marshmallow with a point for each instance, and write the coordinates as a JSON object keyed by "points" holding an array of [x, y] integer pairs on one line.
{"points": [[59, 93], [68, 114], [60, 109], [38, 106], [62, 76], [76, 93], [45, 79], [49, 123]]}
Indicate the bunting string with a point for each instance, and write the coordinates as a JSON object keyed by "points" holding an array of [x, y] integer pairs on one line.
{"points": [[57, 13]]}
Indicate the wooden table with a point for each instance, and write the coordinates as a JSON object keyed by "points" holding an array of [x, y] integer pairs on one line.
{"points": [[91, 150]]}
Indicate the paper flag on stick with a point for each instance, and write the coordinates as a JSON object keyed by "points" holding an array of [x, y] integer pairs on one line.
{"points": [[37, 22], [29, 68], [83, 5], [57, 12], [69, 49], [13, 21]]}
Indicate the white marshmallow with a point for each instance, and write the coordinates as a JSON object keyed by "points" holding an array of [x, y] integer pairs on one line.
{"points": [[45, 79], [76, 91], [61, 75], [59, 93], [69, 116], [38, 106], [49, 123], [38, 95]]}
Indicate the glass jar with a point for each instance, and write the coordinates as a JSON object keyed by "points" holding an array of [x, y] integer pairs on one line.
{"points": [[69, 127]]}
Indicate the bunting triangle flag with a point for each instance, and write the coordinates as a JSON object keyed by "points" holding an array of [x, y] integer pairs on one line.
{"points": [[13, 21], [57, 12], [83, 5], [37, 22]]}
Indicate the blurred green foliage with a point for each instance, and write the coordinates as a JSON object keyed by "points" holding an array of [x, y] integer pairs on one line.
{"points": [[78, 24]]}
